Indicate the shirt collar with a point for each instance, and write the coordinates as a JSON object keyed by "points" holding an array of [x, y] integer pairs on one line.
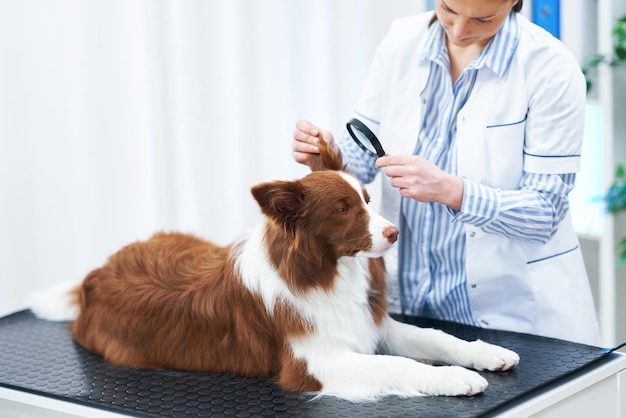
{"points": [[497, 55]]}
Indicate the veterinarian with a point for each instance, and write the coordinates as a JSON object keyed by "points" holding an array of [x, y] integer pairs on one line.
{"points": [[481, 115]]}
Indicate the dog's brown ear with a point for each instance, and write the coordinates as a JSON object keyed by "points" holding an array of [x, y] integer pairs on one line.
{"points": [[328, 158], [280, 200]]}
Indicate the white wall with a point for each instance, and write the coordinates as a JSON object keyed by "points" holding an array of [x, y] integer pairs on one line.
{"points": [[120, 118]]}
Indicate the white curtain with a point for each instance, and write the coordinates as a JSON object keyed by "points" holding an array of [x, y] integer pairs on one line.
{"points": [[119, 118]]}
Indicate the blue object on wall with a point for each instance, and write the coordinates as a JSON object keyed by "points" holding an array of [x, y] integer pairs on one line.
{"points": [[547, 14]]}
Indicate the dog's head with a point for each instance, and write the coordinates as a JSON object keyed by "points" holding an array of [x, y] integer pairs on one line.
{"points": [[328, 208]]}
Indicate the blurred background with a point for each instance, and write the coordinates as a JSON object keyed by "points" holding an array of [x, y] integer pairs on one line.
{"points": [[122, 118]]}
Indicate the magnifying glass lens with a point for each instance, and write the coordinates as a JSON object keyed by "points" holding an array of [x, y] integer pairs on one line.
{"points": [[366, 139]]}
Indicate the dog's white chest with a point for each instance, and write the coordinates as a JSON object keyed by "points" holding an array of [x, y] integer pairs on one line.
{"points": [[342, 317]]}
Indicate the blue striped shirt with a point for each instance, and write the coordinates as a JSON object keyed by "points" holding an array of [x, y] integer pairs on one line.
{"points": [[431, 266]]}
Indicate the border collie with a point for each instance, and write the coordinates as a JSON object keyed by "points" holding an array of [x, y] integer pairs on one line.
{"points": [[300, 301]]}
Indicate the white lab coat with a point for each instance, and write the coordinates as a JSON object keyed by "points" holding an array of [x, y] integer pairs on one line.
{"points": [[531, 120]]}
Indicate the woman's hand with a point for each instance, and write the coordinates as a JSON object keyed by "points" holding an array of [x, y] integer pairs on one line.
{"points": [[422, 180], [304, 145]]}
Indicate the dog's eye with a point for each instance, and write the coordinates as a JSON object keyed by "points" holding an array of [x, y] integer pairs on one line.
{"points": [[343, 209]]}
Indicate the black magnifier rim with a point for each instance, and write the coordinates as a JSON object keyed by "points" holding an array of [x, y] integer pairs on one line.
{"points": [[368, 133]]}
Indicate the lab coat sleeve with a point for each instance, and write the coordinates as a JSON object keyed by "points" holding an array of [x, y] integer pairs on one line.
{"points": [[367, 111], [375, 95], [556, 108]]}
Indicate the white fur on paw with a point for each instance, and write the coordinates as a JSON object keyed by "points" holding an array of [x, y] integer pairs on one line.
{"points": [[456, 381], [485, 356]]}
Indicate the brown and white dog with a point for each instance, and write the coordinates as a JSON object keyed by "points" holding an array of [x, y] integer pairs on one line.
{"points": [[301, 301]]}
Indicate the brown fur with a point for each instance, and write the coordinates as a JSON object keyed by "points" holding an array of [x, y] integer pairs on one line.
{"points": [[295, 209], [328, 158], [176, 301]]}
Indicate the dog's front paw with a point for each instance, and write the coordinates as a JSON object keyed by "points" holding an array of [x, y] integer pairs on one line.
{"points": [[485, 356], [455, 381]]}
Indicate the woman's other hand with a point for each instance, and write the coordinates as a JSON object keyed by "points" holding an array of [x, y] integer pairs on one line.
{"points": [[419, 179]]}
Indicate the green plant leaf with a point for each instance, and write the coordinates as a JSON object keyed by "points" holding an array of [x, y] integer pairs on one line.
{"points": [[593, 62], [616, 57], [616, 195], [621, 247]]}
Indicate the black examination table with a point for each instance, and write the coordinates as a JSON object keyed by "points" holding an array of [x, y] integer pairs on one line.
{"points": [[39, 358]]}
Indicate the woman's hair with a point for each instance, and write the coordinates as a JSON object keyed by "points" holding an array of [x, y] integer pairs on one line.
{"points": [[517, 8]]}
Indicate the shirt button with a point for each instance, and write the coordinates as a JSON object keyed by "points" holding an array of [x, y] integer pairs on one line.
{"points": [[473, 285], [472, 234], [462, 118]]}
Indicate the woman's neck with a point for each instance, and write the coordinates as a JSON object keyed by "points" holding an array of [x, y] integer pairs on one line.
{"points": [[461, 56]]}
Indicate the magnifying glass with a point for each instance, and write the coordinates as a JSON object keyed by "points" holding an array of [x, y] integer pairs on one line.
{"points": [[365, 138]]}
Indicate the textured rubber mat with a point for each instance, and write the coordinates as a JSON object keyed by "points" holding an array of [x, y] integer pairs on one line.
{"points": [[39, 357]]}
